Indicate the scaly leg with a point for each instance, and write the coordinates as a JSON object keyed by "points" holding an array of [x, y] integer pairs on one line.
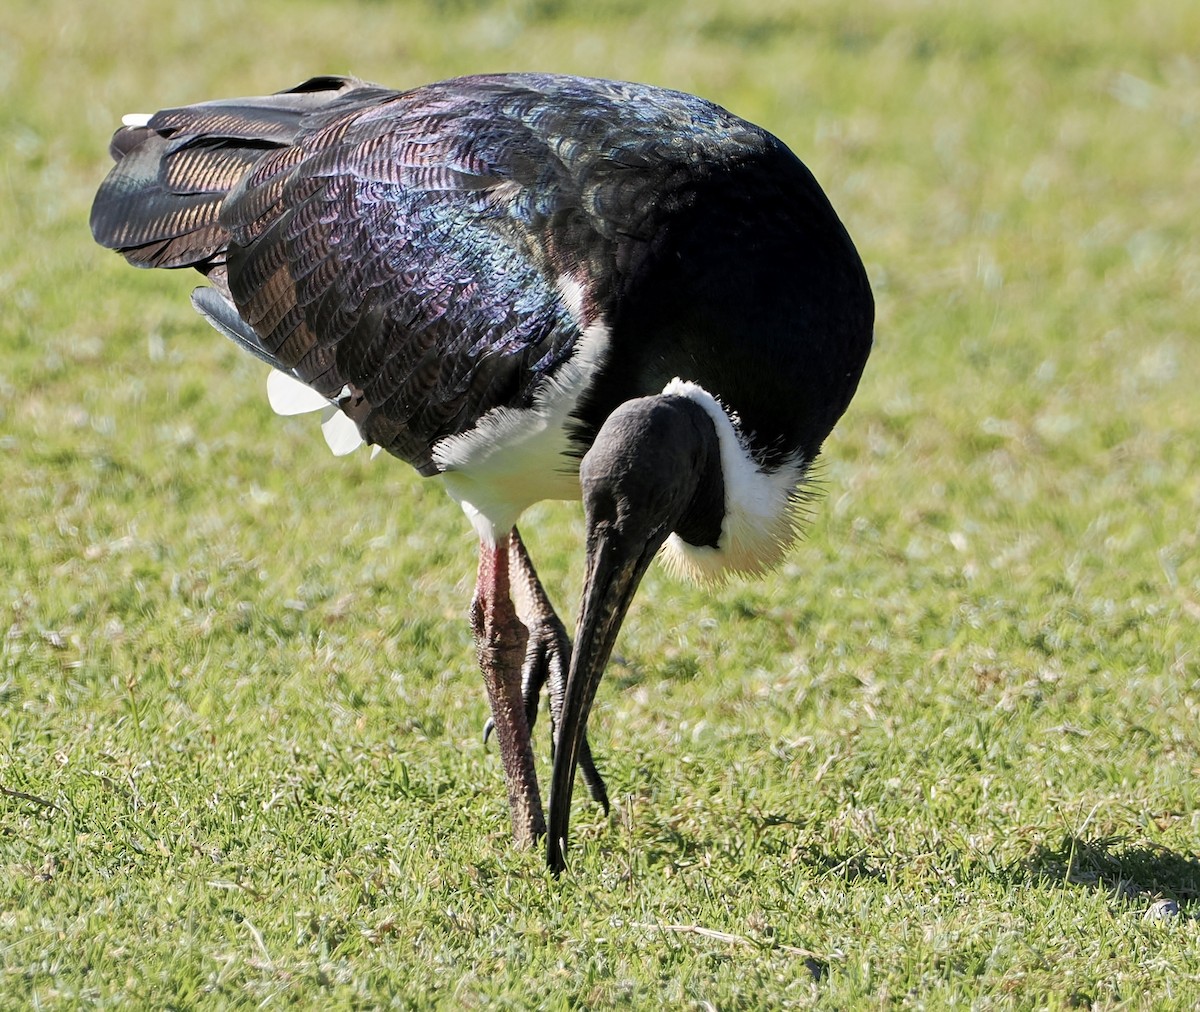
{"points": [[547, 657], [501, 640]]}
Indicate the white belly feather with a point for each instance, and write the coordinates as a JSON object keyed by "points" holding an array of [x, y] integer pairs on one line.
{"points": [[514, 458]]}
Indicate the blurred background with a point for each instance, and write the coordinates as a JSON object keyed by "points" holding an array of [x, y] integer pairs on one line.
{"points": [[1019, 177], [994, 618]]}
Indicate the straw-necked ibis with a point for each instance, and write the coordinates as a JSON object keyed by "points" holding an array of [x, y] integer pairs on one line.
{"points": [[527, 286]]}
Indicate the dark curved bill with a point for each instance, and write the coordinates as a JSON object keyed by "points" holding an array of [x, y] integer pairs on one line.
{"points": [[615, 568]]}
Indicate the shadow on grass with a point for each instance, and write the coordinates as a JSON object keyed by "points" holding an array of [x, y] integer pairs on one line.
{"points": [[1129, 870]]}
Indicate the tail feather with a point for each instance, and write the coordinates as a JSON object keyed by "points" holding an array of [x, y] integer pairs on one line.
{"points": [[126, 139], [272, 120], [151, 224], [161, 204], [223, 316], [210, 165]]}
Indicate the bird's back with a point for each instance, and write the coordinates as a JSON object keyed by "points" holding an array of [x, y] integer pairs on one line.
{"points": [[425, 257]]}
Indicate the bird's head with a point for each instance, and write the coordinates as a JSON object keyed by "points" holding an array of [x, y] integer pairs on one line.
{"points": [[665, 468]]}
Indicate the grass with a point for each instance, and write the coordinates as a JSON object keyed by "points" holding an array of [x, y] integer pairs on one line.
{"points": [[948, 755]]}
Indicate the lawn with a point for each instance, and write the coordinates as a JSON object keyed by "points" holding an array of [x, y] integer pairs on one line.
{"points": [[948, 755]]}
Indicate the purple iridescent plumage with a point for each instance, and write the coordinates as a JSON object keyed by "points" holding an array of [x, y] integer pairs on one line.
{"points": [[409, 246]]}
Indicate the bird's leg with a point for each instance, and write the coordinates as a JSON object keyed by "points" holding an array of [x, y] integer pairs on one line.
{"points": [[501, 639], [547, 656]]}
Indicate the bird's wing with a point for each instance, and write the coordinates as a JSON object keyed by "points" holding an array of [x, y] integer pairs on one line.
{"points": [[421, 257], [374, 259], [414, 246], [408, 255]]}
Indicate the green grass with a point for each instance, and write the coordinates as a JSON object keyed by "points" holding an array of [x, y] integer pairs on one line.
{"points": [[947, 756]]}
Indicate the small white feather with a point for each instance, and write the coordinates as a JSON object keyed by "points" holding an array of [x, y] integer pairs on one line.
{"points": [[137, 119], [341, 432], [288, 396]]}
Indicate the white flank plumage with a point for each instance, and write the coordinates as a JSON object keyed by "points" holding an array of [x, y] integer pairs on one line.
{"points": [[513, 458], [341, 432]]}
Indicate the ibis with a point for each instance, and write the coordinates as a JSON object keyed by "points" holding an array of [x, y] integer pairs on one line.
{"points": [[527, 286]]}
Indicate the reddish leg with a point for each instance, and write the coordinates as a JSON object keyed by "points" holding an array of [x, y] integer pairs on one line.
{"points": [[501, 639], [547, 657]]}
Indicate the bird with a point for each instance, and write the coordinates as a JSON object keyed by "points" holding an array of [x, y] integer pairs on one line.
{"points": [[526, 286]]}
